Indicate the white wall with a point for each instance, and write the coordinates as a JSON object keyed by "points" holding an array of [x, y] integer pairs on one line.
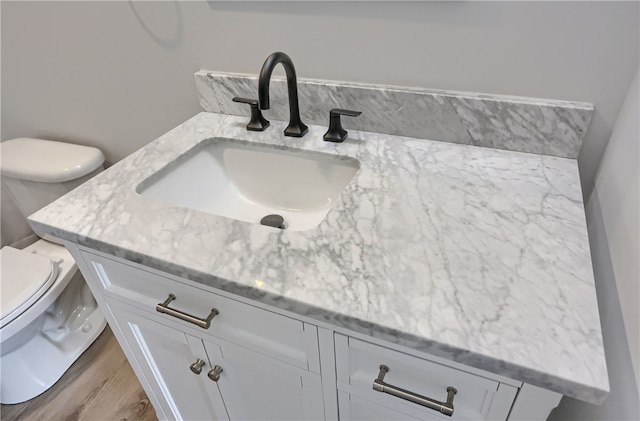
{"points": [[613, 216], [116, 75], [618, 187]]}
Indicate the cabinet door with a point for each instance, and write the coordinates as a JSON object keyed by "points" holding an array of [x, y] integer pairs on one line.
{"points": [[256, 387], [165, 356]]}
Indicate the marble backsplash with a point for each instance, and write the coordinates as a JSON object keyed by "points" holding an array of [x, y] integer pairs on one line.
{"points": [[539, 126]]}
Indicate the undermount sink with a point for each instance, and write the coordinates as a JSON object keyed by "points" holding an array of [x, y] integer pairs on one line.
{"points": [[247, 181]]}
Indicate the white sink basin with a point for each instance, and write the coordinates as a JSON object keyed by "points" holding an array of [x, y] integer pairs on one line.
{"points": [[247, 181]]}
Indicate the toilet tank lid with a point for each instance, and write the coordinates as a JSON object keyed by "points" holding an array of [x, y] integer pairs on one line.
{"points": [[47, 161]]}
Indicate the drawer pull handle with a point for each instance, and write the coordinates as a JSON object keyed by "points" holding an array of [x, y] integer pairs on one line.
{"points": [[203, 323], [196, 368], [445, 408]]}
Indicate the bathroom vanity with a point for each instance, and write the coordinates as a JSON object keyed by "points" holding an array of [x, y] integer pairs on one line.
{"points": [[255, 362], [441, 281]]}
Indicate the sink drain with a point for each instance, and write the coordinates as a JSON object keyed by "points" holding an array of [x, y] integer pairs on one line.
{"points": [[273, 220]]}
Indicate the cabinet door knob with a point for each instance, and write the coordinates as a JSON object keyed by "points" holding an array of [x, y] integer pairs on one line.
{"points": [[196, 368], [214, 374]]}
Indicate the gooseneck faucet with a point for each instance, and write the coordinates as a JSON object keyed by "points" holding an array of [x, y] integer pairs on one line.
{"points": [[296, 127]]}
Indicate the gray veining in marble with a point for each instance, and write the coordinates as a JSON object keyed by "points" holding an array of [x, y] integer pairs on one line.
{"points": [[476, 255], [538, 126]]}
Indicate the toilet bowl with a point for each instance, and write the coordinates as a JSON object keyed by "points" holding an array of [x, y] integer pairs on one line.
{"points": [[48, 316], [46, 326]]}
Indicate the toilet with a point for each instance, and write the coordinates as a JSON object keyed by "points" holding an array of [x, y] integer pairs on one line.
{"points": [[48, 315]]}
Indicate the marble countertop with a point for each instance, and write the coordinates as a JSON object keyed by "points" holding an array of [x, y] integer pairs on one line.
{"points": [[473, 254]]}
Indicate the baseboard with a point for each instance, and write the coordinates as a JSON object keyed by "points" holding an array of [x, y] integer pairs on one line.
{"points": [[24, 242]]}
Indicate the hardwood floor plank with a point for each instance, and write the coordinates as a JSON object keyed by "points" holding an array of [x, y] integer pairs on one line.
{"points": [[100, 385]]}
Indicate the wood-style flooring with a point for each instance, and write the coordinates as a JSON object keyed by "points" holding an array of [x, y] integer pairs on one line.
{"points": [[100, 385]]}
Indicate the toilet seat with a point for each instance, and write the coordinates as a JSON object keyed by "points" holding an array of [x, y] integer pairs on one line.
{"points": [[24, 278]]}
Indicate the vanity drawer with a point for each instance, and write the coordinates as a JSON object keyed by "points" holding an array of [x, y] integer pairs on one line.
{"points": [[353, 407], [477, 398], [278, 336]]}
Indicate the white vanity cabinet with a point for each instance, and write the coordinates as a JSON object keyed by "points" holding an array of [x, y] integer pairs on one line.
{"points": [[205, 379], [248, 364], [165, 356], [201, 353]]}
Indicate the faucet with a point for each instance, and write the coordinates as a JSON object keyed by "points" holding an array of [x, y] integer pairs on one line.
{"points": [[296, 127]]}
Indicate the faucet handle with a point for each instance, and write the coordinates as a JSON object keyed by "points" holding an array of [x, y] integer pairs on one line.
{"points": [[336, 133], [257, 122]]}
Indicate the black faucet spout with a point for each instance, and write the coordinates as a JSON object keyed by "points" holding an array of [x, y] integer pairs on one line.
{"points": [[296, 127]]}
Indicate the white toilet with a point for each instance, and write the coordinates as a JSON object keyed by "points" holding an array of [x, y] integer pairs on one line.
{"points": [[48, 315]]}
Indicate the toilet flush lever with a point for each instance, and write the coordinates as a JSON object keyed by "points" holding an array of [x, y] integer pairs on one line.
{"points": [[336, 133]]}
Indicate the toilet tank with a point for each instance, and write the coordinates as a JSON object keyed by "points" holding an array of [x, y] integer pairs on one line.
{"points": [[36, 172]]}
